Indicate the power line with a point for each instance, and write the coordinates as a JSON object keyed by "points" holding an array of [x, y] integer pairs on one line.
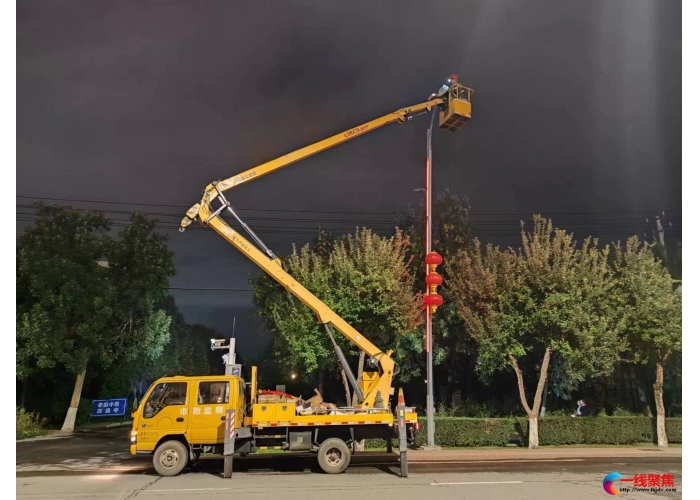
{"points": [[594, 224], [185, 207], [569, 222], [602, 227], [380, 221]]}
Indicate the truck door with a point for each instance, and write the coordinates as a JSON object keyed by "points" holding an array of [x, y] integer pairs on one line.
{"points": [[165, 412], [214, 397], [240, 407]]}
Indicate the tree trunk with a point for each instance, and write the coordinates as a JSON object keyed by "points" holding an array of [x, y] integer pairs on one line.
{"points": [[319, 383], [660, 411], [533, 434], [344, 377], [532, 413], [359, 445], [69, 422], [360, 369]]}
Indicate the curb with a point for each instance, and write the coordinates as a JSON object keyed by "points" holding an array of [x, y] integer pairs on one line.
{"points": [[44, 438], [119, 424], [548, 455]]}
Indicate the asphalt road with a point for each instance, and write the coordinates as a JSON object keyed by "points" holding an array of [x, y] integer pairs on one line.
{"points": [[95, 465], [532, 483]]}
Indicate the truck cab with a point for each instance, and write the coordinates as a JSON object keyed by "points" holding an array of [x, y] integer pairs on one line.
{"points": [[181, 417]]}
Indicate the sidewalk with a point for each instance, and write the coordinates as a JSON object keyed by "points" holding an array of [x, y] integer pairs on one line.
{"points": [[475, 455]]}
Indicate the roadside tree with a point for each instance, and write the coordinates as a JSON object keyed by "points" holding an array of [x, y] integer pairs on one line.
{"points": [[550, 296], [364, 279], [652, 305], [76, 311]]}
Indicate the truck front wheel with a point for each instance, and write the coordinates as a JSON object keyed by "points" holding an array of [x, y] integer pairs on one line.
{"points": [[170, 458], [333, 456]]}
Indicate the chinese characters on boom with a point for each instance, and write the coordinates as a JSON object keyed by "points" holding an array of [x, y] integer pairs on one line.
{"points": [[651, 483]]}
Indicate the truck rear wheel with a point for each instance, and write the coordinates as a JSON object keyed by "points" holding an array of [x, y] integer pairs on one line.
{"points": [[170, 458], [334, 456]]}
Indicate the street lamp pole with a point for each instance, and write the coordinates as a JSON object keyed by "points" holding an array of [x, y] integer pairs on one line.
{"points": [[430, 410]]}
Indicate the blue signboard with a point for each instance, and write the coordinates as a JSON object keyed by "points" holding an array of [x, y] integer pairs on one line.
{"points": [[108, 407]]}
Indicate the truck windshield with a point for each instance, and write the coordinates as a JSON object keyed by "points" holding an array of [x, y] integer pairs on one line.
{"points": [[165, 394]]}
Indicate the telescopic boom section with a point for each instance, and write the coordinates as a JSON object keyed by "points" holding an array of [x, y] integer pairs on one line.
{"points": [[375, 387]]}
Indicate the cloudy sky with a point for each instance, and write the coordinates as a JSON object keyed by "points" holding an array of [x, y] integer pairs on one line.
{"points": [[576, 115]]}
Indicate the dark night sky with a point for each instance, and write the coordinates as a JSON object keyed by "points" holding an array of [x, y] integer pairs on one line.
{"points": [[577, 110]]}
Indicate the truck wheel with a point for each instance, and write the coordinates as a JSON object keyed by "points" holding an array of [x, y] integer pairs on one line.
{"points": [[170, 458], [333, 456]]}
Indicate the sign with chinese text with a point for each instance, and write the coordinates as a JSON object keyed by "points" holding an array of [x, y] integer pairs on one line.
{"points": [[108, 408]]}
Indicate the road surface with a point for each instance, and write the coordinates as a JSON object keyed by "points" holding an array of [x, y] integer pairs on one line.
{"points": [[570, 481], [95, 465]]}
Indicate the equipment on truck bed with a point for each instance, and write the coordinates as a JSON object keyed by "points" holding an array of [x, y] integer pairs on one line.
{"points": [[181, 419]]}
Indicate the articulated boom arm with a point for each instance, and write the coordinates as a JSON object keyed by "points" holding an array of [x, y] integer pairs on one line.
{"points": [[283, 161], [376, 387]]}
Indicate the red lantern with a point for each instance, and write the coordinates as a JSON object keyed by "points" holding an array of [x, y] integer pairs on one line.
{"points": [[433, 279], [433, 300], [433, 259]]}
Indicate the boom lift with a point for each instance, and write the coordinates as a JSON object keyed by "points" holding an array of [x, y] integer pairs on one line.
{"points": [[181, 418], [454, 101]]}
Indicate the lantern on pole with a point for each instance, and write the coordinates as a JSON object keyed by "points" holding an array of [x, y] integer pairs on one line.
{"points": [[433, 300]]}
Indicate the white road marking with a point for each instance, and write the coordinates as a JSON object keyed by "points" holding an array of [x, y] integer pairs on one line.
{"points": [[186, 489], [477, 482]]}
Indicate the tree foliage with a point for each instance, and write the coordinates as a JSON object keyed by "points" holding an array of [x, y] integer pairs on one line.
{"points": [[73, 309], [364, 279], [652, 309], [549, 296], [451, 234], [185, 353], [451, 230], [651, 300]]}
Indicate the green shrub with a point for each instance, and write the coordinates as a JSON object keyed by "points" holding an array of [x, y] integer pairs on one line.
{"points": [[595, 430], [674, 430], [472, 409], [467, 408], [605, 430], [475, 432], [619, 411], [559, 413], [443, 410], [28, 424]]}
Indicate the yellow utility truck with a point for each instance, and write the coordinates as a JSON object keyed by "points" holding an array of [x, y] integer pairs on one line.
{"points": [[181, 418]]}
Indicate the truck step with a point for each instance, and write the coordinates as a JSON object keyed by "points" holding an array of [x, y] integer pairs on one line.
{"points": [[283, 447]]}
